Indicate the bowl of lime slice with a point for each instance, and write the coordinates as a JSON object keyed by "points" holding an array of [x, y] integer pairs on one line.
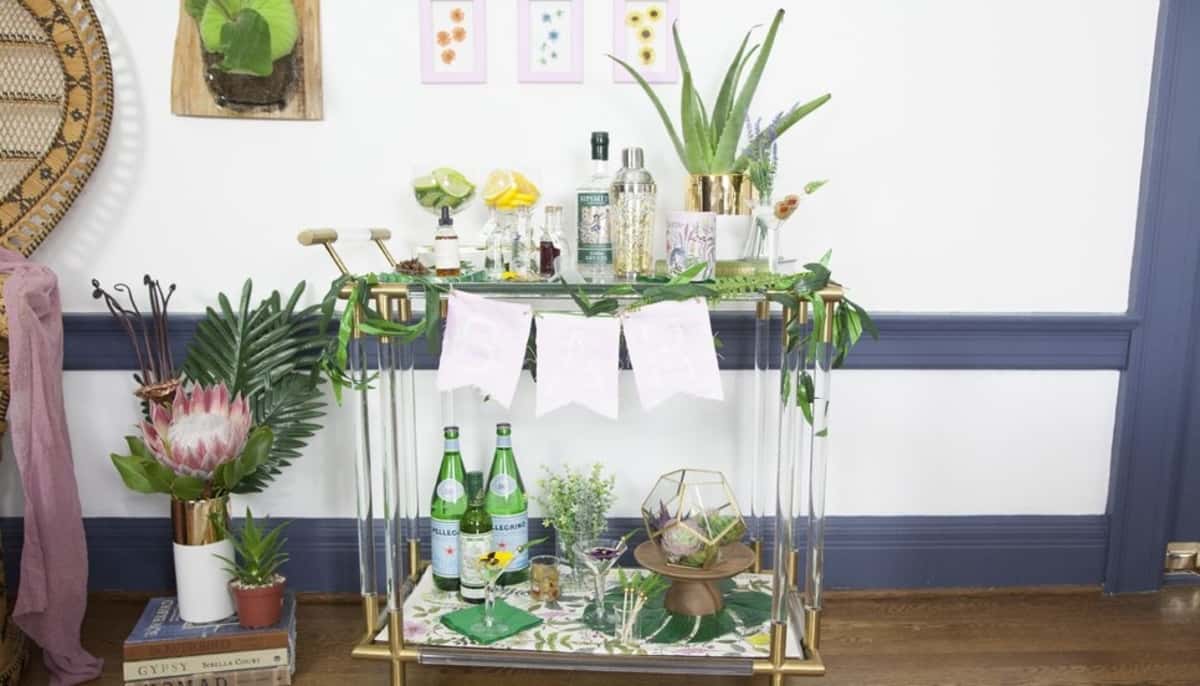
{"points": [[443, 187]]}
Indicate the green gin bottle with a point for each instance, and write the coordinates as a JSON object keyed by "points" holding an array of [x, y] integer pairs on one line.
{"points": [[446, 511], [474, 541], [507, 507]]}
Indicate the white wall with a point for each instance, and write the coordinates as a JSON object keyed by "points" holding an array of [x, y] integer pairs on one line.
{"points": [[984, 155]]}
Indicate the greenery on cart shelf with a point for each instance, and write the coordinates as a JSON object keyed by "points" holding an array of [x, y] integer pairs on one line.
{"points": [[250, 35], [850, 319], [258, 552], [744, 612], [576, 503], [269, 353], [200, 447], [709, 144]]}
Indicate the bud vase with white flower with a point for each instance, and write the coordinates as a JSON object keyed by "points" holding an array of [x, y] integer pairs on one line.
{"points": [[197, 450]]}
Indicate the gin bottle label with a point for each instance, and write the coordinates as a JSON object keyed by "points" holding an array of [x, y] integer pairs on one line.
{"points": [[510, 532], [444, 545], [595, 238]]}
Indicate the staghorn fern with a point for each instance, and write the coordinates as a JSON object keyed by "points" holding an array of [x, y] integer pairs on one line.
{"points": [[269, 353]]}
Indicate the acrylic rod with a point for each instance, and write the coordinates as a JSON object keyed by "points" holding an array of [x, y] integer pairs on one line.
{"points": [[392, 495], [784, 486], [362, 472], [814, 579], [758, 430]]}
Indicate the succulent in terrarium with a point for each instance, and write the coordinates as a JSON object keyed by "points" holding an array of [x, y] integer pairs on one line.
{"points": [[690, 514]]}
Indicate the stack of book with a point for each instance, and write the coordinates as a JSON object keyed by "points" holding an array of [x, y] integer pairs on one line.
{"points": [[164, 650]]}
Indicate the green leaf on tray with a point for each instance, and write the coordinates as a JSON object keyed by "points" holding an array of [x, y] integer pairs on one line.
{"points": [[744, 608], [246, 44]]}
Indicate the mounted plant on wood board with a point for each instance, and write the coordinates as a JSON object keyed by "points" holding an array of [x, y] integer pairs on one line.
{"points": [[248, 58]]}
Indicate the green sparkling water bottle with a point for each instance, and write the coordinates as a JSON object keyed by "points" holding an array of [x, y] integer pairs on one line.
{"points": [[446, 511], [507, 506], [474, 541]]}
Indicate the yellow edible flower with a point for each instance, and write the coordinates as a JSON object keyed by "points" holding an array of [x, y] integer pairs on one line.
{"points": [[634, 19], [497, 559], [654, 13]]}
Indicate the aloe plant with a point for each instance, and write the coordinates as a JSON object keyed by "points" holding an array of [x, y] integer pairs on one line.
{"points": [[709, 140]]}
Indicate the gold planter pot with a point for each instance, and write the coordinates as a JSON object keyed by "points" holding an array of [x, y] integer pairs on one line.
{"points": [[192, 521], [727, 194]]}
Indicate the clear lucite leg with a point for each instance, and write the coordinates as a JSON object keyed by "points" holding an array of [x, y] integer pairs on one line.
{"points": [[392, 495], [362, 471], [814, 578], [759, 436], [407, 438], [785, 491]]}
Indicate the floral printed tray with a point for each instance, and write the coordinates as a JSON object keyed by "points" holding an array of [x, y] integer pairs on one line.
{"points": [[563, 630]]}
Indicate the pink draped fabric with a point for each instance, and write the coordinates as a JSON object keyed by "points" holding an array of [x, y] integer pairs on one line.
{"points": [[52, 596]]}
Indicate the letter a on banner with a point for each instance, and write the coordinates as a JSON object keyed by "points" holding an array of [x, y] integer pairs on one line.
{"points": [[484, 346], [578, 361], [671, 348]]}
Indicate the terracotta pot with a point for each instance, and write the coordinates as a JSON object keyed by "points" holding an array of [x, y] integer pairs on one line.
{"points": [[259, 607]]}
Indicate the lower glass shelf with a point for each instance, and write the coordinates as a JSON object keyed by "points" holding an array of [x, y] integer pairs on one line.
{"points": [[563, 639]]}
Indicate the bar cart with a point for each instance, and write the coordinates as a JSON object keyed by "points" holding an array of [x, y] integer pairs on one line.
{"points": [[792, 449]]}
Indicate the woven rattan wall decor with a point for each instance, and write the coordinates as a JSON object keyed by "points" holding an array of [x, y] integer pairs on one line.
{"points": [[201, 87], [56, 107]]}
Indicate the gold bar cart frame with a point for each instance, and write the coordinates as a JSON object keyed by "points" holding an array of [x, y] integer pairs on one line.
{"points": [[798, 446]]}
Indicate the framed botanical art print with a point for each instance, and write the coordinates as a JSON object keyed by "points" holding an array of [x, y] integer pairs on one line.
{"points": [[550, 41], [453, 41], [642, 37]]}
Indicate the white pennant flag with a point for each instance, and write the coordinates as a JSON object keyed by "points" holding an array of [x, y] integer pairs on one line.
{"points": [[484, 346], [577, 361], [671, 348]]}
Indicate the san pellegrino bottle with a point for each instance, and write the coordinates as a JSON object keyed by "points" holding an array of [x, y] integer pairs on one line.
{"points": [[474, 541], [446, 511], [507, 506]]}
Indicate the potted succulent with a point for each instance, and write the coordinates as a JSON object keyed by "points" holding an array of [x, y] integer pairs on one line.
{"points": [[708, 142], [249, 49], [257, 584]]}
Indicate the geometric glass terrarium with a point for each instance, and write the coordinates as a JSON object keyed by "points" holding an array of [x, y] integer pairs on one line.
{"points": [[691, 514]]}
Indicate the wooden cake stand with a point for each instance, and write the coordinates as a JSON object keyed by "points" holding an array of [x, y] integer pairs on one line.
{"points": [[694, 592]]}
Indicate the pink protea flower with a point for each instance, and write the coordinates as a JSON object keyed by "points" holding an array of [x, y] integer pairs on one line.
{"points": [[203, 430]]}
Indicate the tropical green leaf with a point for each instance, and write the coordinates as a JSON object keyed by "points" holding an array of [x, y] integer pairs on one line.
{"points": [[662, 111], [727, 148], [144, 475], [724, 100], [188, 488], [783, 125], [246, 44], [195, 8], [269, 353]]}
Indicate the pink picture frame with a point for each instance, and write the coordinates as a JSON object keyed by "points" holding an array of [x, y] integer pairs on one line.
{"points": [[453, 41], [549, 31], [663, 66]]}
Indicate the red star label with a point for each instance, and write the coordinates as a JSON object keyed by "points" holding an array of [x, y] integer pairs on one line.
{"points": [[449, 550], [503, 546]]}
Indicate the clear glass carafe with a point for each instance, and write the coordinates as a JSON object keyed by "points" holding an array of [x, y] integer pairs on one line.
{"points": [[509, 240]]}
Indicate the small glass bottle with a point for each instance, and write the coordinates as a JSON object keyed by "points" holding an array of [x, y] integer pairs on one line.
{"points": [[550, 245], [632, 194], [445, 247], [595, 249]]}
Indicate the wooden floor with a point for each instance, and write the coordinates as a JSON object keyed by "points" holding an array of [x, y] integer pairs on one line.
{"points": [[1008, 637]]}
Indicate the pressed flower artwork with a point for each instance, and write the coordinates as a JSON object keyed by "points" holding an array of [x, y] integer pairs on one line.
{"points": [[550, 41], [642, 35], [453, 46]]}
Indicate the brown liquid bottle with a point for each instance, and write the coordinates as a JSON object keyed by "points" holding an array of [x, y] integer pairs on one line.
{"points": [[445, 247]]}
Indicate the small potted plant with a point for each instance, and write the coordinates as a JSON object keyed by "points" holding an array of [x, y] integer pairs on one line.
{"points": [[249, 50], [257, 584], [576, 504]]}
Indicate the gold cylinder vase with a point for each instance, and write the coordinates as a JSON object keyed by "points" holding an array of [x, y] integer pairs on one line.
{"points": [[194, 522], [727, 194]]}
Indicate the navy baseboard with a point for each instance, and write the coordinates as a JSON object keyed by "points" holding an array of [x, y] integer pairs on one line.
{"points": [[130, 554], [944, 341]]}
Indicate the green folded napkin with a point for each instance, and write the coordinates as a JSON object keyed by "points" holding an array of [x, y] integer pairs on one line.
{"points": [[465, 619]]}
